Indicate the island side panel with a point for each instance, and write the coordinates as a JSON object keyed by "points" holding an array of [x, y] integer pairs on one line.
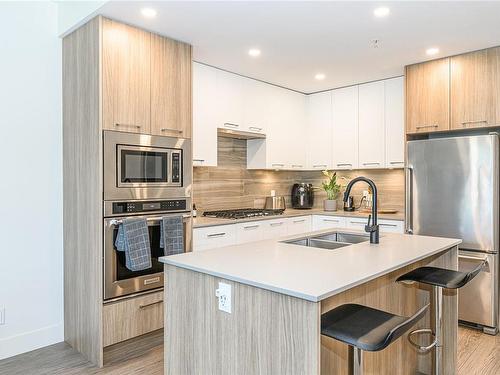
{"points": [[266, 333], [384, 293]]}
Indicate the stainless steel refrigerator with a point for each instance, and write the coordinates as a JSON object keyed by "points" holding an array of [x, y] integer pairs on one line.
{"points": [[452, 190]]}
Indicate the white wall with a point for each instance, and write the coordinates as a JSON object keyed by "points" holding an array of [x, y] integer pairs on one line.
{"points": [[31, 271], [72, 14]]}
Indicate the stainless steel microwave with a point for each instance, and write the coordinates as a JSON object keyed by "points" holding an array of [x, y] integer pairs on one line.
{"points": [[139, 166]]}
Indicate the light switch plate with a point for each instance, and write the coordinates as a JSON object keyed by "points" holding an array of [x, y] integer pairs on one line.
{"points": [[223, 293]]}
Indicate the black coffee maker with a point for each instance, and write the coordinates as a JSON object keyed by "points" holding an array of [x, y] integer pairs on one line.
{"points": [[302, 195]]}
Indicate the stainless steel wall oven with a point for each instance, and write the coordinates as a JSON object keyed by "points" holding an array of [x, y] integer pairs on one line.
{"points": [[118, 279]]}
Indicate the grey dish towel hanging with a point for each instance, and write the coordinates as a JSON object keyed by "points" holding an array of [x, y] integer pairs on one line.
{"points": [[133, 239], [172, 235]]}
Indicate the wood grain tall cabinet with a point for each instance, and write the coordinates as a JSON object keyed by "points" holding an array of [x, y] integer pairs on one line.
{"points": [[121, 78], [428, 96]]}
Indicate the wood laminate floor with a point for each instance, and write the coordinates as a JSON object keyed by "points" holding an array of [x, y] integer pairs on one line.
{"points": [[478, 353]]}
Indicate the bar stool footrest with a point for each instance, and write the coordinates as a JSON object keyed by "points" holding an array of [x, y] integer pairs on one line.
{"points": [[422, 331]]}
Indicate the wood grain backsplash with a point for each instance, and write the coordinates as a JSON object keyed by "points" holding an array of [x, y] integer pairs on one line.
{"points": [[231, 185]]}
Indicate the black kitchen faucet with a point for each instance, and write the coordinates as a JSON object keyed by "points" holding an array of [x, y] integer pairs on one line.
{"points": [[372, 229]]}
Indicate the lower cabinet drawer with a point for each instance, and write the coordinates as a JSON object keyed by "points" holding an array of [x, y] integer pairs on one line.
{"points": [[275, 228], [387, 226], [249, 232], [132, 317], [214, 237], [327, 222], [391, 226], [299, 225]]}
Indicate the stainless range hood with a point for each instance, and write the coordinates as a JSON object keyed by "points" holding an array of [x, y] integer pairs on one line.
{"points": [[239, 134]]}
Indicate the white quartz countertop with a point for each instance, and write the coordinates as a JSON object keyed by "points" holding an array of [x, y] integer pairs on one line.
{"points": [[311, 273]]}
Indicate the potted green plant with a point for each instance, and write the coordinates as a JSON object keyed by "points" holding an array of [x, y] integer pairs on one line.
{"points": [[332, 189]]}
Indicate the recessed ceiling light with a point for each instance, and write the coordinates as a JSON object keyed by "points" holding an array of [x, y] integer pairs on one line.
{"points": [[320, 76], [254, 52], [149, 12], [432, 51], [381, 12]]}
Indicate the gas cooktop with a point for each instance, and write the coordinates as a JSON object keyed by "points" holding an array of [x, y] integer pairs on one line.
{"points": [[242, 213]]}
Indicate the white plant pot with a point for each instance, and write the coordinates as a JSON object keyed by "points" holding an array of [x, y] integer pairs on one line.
{"points": [[330, 205]]}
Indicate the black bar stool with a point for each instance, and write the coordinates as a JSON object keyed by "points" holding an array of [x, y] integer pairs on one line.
{"points": [[365, 328], [438, 278]]}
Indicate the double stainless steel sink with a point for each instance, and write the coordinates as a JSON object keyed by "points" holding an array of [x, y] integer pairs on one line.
{"points": [[331, 241]]}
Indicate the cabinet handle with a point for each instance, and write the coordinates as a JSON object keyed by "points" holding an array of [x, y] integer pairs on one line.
{"points": [[172, 130], [299, 221], [222, 234], [297, 165], [426, 126], [331, 220], [276, 224], [372, 163], [396, 162], [278, 165], [128, 126], [320, 166], [388, 225], [255, 128], [251, 227], [200, 160], [150, 304], [229, 125], [344, 165], [465, 123]]}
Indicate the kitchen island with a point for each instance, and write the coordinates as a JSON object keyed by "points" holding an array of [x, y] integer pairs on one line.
{"points": [[278, 292]]}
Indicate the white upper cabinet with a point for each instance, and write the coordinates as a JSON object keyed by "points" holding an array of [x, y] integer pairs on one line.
{"points": [[205, 102], [356, 127], [371, 125], [284, 146], [230, 93], [345, 128], [319, 131], [394, 123], [295, 136], [255, 106]]}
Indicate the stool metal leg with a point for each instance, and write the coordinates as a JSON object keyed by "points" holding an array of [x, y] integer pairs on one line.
{"points": [[438, 328], [355, 361]]}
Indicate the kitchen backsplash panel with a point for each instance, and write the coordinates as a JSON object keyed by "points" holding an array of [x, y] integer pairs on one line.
{"points": [[231, 185]]}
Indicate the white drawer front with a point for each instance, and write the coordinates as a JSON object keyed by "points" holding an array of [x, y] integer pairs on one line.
{"points": [[356, 222], [299, 225], [387, 226], [248, 232], [274, 228], [213, 237], [327, 222], [391, 226]]}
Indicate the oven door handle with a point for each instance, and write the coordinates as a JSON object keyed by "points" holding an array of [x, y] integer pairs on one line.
{"points": [[114, 222]]}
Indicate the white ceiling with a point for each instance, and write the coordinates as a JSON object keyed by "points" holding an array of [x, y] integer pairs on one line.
{"points": [[300, 39]]}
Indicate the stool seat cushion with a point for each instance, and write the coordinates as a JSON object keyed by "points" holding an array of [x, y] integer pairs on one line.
{"points": [[441, 277], [365, 327]]}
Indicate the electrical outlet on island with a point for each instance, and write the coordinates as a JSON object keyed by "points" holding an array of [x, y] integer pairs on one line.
{"points": [[223, 293]]}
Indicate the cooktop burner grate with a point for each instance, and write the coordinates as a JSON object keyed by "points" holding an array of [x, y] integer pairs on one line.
{"points": [[242, 213]]}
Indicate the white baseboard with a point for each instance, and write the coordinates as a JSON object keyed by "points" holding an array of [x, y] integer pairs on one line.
{"points": [[27, 341]]}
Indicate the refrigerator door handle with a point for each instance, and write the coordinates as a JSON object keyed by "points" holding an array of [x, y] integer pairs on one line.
{"points": [[408, 196], [477, 259]]}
